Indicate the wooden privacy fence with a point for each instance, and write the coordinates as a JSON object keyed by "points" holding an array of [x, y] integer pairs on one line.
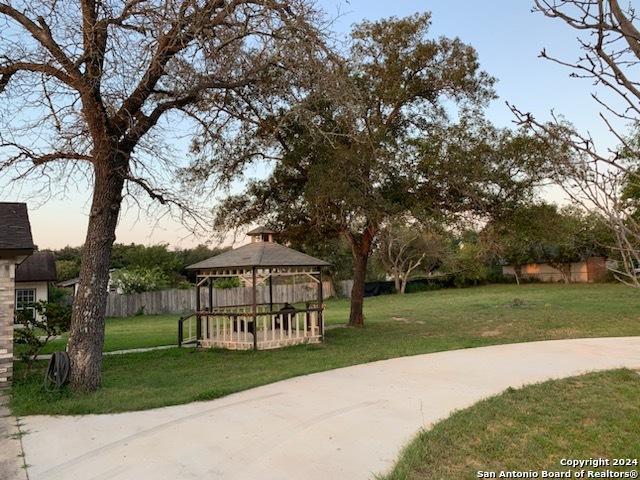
{"points": [[184, 300]]}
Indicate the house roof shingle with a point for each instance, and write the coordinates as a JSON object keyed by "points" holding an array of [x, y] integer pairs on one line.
{"points": [[260, 254], [39, 267], [15, 229]]}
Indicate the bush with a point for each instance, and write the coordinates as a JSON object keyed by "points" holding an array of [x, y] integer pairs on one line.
{"points": [[468, 266], [429, 284], [184, 285], [49, 321], [137, 280], [62, 296], [224, 283]]}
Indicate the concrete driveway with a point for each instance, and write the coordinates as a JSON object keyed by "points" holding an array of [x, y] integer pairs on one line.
{"points": [[341, 424]]}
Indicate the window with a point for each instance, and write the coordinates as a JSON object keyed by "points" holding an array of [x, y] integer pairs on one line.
{"points": [[25, 298]]}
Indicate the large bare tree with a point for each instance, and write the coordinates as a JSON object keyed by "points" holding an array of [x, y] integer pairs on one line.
{"points": [[608, 35], [405, 247], [104, 87]]}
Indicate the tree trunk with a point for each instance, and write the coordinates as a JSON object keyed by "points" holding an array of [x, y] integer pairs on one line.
{"points": [[396, 279], [565, 271], [356, 315], [517, 270], [86, 337], [405, 280], [360, 251]]}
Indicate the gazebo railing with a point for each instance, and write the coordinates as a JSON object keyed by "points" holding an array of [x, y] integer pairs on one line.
{"points": [[187, 329], [233, 327]]}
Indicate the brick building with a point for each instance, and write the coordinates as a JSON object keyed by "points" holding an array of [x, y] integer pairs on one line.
{"points": [[16, 244]]}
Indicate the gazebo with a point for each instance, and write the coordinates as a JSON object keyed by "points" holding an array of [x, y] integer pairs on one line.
{"points": [[257, 325]]}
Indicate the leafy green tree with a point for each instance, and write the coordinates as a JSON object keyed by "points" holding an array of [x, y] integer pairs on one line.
{"points": [[68, 262], [467, 260], [373, 140], [132, 256], [67, 269], [631, 193], [148, 263], [335, 250], [140, 279], [189, 256]]}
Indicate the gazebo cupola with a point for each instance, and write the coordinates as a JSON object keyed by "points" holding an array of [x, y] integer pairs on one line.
{"points": [[261, 234], [260, 322]]}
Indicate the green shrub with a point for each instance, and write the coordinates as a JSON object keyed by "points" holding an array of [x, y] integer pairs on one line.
{"points": [[49, 321], [140, 279], [60, 295], [224, 283], [421, 287]]}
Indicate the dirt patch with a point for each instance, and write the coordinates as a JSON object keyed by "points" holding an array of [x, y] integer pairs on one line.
{"points": [[491, 333], [563, 332], [406, 320]]}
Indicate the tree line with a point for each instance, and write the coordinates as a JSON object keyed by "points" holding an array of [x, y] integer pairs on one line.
{"points": [[140, 268], [460, 255], [404, 249]]}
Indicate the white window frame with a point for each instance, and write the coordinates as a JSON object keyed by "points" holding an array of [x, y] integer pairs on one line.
{"points": [[20, 305]]}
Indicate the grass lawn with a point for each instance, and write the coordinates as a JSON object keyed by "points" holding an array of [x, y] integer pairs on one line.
{"points": [[395, 326], [525, 429], [144, 331], [132, 332]]}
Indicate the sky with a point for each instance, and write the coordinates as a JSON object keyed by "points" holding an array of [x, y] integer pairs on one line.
{"points": [[508, 38]]}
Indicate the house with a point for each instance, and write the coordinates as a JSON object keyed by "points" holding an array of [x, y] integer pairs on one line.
{"points": [[16, 245], [74, 283], [593, 269], [32, 280], [71, 285]]}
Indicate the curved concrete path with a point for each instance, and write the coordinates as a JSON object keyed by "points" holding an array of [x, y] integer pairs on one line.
{"points": [[341, 424]]}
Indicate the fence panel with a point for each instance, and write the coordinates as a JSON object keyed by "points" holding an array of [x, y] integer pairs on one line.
{"points": [[182, 301]]}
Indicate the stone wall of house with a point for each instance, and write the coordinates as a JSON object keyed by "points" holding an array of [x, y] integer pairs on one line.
{"points": [[7, 275]]}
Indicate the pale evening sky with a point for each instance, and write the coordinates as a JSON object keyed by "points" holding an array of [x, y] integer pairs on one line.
{"points": [[508, 38]]}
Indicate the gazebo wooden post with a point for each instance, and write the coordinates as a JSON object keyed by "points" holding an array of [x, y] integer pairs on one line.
{"points": [[320, 301], [270, 291], [210, 305], [198, 318], [255, 311]]}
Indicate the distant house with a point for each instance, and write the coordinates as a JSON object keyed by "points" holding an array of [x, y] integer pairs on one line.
{"points": [[16, 245], [593, 269], [33, 277], [74, 283]]}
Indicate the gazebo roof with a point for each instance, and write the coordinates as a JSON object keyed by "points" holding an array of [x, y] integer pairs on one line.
{"points": [[259, 254]]}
